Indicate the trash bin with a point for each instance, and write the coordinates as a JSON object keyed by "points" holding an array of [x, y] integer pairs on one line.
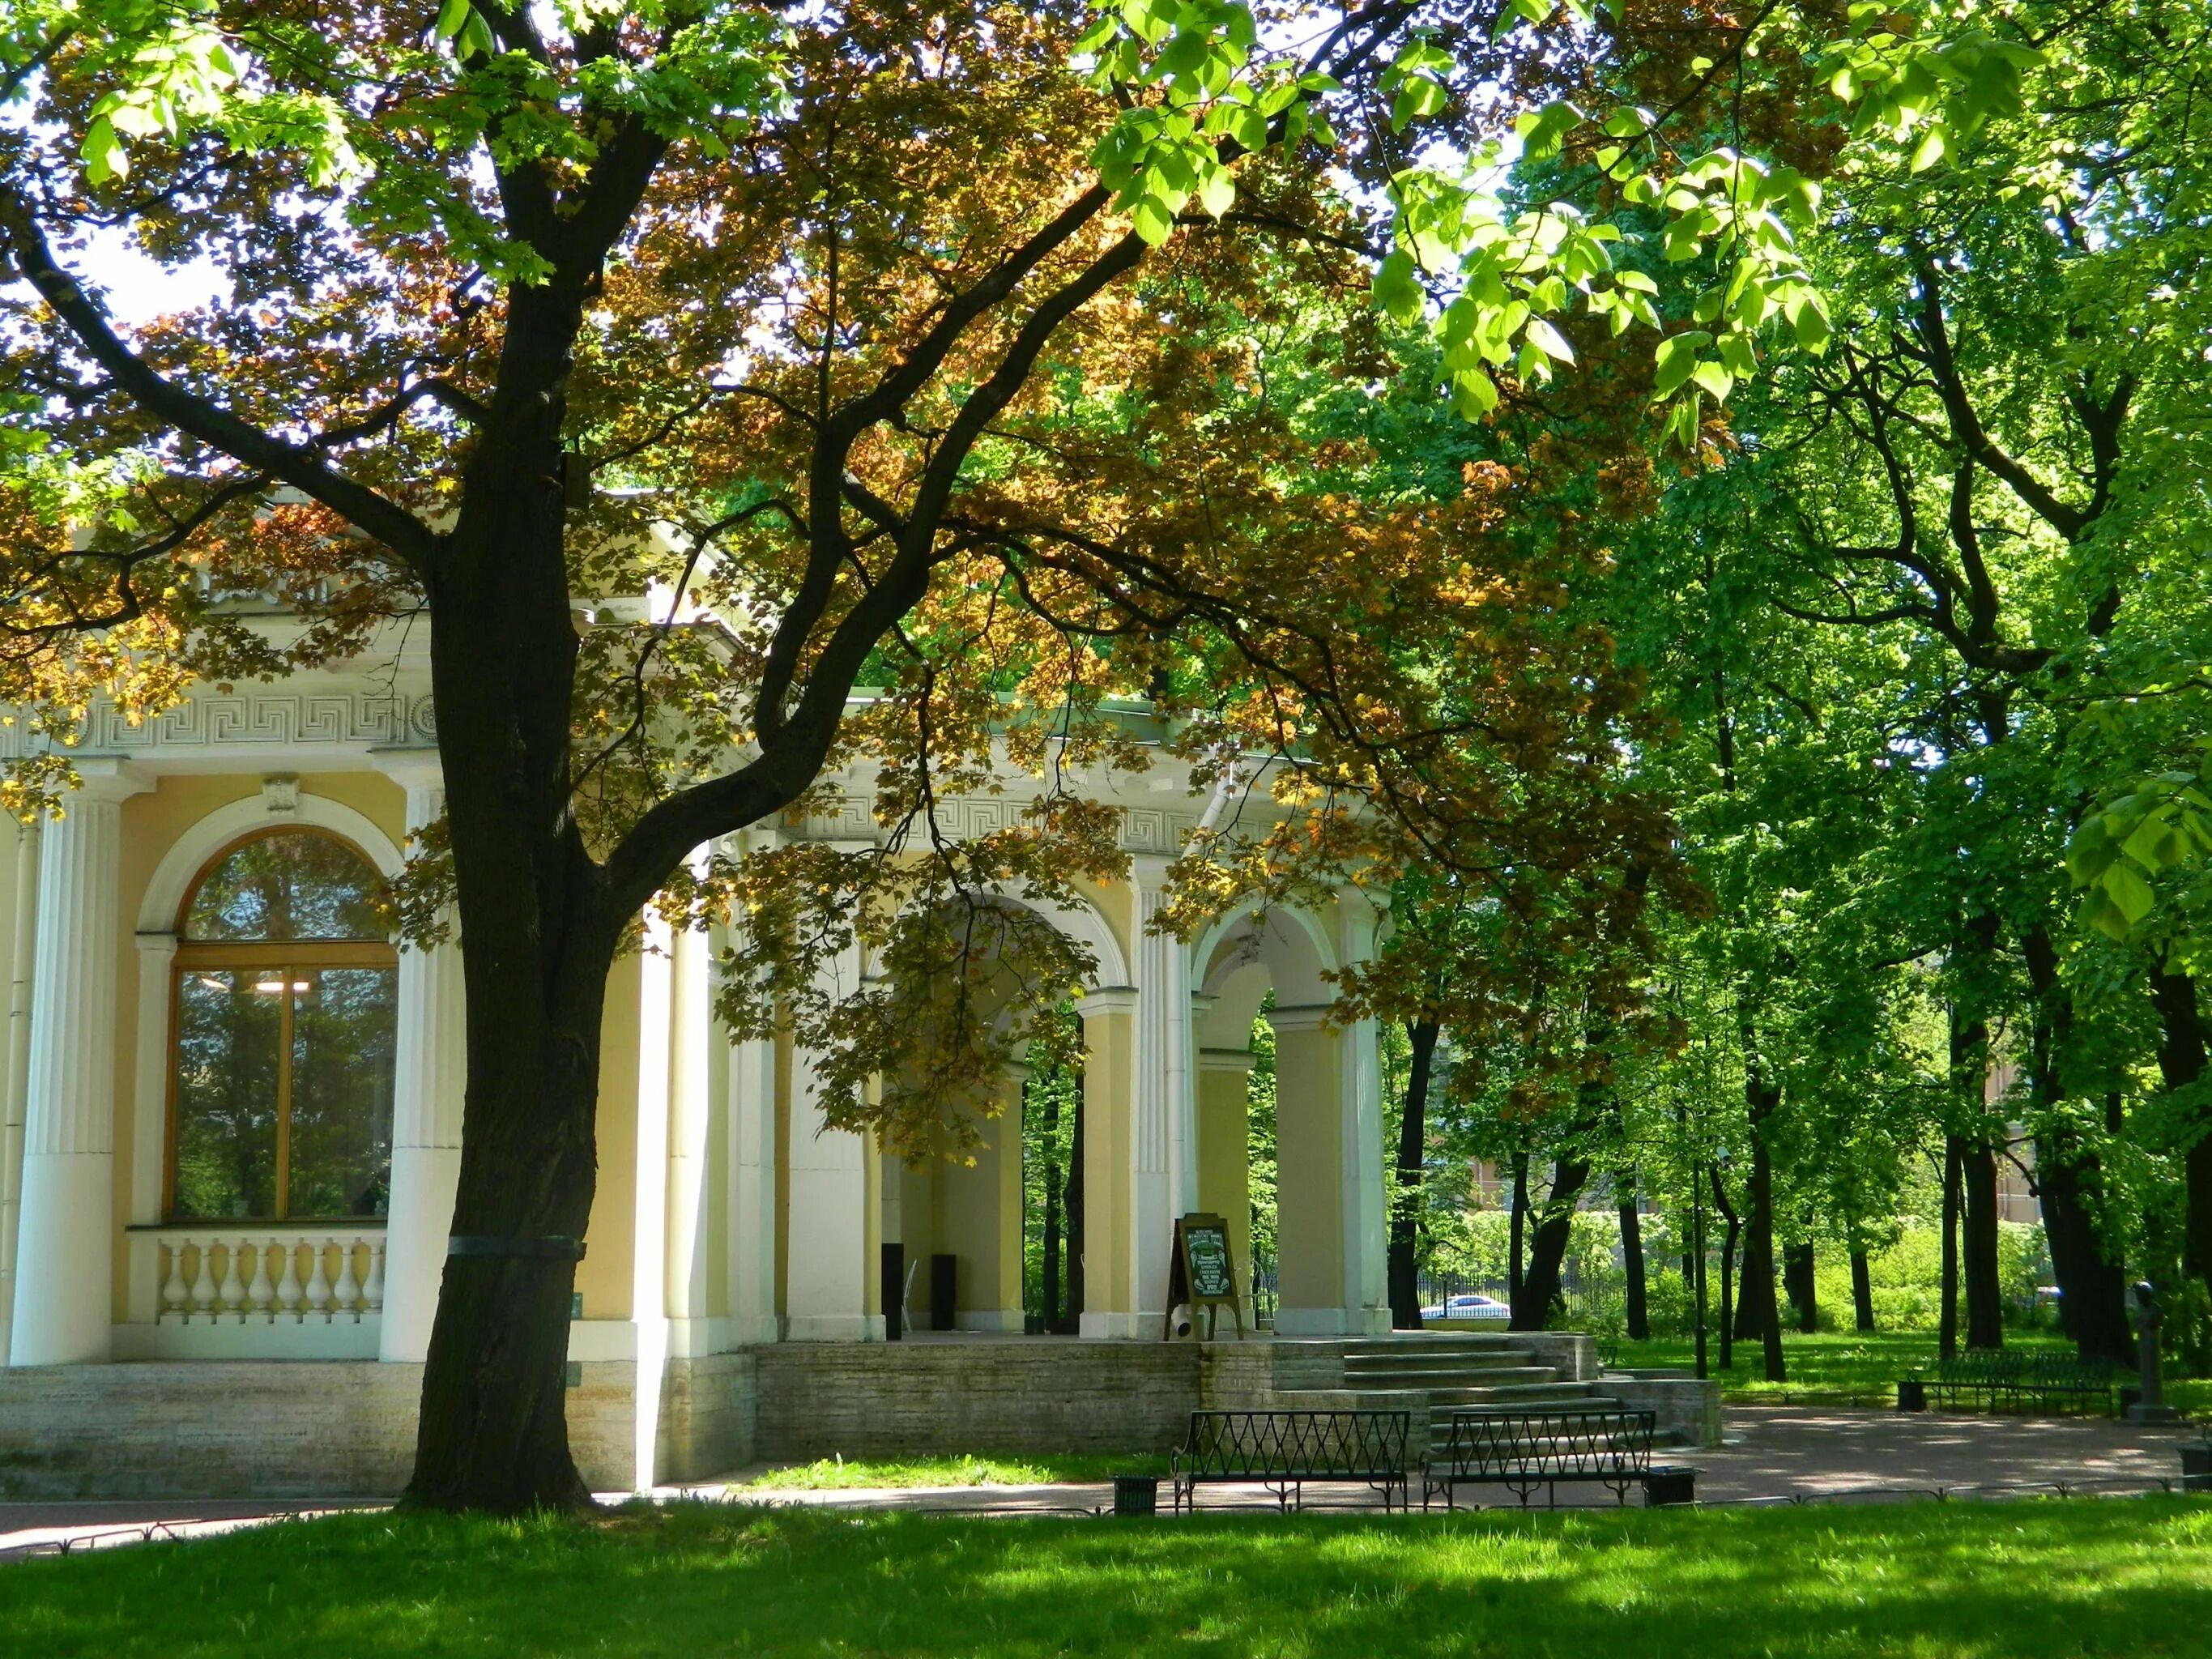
{"points": [[1911, 1394], [1136, 1494], [2196, 1468], [1667, 1484]]}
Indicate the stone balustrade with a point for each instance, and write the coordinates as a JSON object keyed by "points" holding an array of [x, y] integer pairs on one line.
{"points": [[269, 1274]]}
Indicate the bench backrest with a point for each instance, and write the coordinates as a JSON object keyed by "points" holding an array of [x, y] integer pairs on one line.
{"points": [[1481, 1442], [1311, 1445]]}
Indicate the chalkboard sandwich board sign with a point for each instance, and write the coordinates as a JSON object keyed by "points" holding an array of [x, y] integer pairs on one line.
{"points": [[1201, 1273]]}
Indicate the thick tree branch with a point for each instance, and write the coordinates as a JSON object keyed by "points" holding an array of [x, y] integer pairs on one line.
{"points": [[298, 465]]}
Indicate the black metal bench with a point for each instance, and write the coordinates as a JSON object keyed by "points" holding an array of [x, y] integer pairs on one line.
{"points": [[1521, 1450], [2008, 1380], [1283, 1451]]}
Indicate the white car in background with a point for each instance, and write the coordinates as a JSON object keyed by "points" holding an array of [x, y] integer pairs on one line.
{"points": [[1469, 1307]]}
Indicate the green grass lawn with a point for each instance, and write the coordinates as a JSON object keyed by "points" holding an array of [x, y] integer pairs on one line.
{"points": [[842, 1473], [1836, 1368], [2019, 1581]]}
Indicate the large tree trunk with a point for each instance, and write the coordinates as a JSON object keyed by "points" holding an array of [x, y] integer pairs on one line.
{"points": [[1631, 1258], [1412, 1161], [537, 947], [2181, 1062], [1946, 1318], [1539, 1285], [2069, 1179], [1861, 1292]]}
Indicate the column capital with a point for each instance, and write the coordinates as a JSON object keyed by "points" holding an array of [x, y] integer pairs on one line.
{"points": [[108, 778], [1225, 1060], [410, 769], [1108, 1000], [157, 942], [1303, 1017]]}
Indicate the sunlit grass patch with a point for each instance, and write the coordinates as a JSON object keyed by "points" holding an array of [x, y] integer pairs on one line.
{"points": [[833, 1473], [1932, 1581]]}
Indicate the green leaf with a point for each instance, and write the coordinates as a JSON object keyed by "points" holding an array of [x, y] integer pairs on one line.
{"points": [[2130, 891], [1929, 151], [1154, 220], [1397, 291], [1217, 192], [454, 13], [104, 157], [1548, 340]]}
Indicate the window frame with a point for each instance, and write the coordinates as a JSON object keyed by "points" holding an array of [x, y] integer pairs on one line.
{"points": [[288, 956]]}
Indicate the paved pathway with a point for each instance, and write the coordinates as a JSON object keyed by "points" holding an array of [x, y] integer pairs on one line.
{"points": [[1772, 1454]]}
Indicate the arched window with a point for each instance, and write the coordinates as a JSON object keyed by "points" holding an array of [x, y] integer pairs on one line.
{"points": [[286, 1021]]}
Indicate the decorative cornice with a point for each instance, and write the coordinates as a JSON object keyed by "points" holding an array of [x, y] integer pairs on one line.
{"points": [[270, 718], [1304, 1016], [1145, 829], [1108, 1000]]}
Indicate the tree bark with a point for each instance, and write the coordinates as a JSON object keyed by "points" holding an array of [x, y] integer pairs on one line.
{"points": [[1516, 1228], [1976, 1197], [1728, 1269], [1861, 1292], [1759, 1315], [1540, 1285], [2069, 1178], [1947, 1326], [1978, 1181], [1632, 1260], [2181, 1062], [538, 940], [1412, 1161], [1797, 1273]]}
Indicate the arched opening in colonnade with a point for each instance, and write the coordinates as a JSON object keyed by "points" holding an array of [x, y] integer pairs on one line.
{"points": [[1328, 1190]]}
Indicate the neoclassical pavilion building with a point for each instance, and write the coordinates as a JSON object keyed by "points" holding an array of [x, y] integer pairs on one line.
{"points": [[233, 1110]]}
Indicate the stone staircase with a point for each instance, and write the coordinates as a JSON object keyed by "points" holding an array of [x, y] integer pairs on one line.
{"points": [[1431, 1374]]}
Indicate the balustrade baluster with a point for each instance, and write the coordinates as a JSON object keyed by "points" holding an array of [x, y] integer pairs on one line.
{"points": [[262, 1292], [287, 1286], [173, 1286], [233, 1284], [347, 1296], [372, 1290], [318, 1284], [203, 1281]]}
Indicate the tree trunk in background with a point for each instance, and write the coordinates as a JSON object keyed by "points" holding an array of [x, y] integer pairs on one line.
{"points": [[1977, 1183], [1540, 1285], [1947, 1327], [1632, 1260], [1412, 1149], [1517, 1229], [1861, 1292], [2092, 1289], [1050, 1312], [1804, 1292], [1728, 1269], [2181, 1062], [1759, 1314], [1073, 1314], [1977, 1171]]}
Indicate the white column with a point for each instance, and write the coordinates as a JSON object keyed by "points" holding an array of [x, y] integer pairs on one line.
{"points": [[832, 1245], [17, 1083], [1366, 1294], [65, 1290], [690, 1114], [1165, 1138], [751, 1120], [429, 1081]]}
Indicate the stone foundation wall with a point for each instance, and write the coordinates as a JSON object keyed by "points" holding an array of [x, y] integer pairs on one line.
{"points": [[320, 1428], [1036, 1397]]}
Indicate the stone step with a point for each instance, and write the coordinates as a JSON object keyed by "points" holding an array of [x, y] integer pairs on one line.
{"points": [[1460, 1377], [1415, 1342], [1429, 1365]]}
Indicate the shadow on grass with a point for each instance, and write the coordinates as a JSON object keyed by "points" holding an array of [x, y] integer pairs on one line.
{"points": [[2086, 1576]]}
